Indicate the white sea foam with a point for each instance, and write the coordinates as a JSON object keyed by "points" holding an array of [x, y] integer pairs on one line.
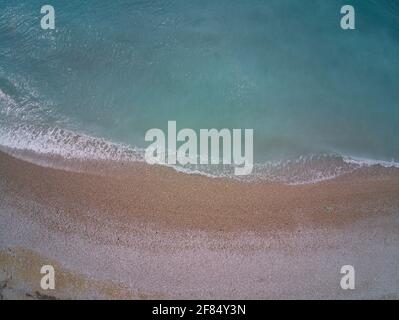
{"points": [[69, 145], [370, 162], [65, 143]]}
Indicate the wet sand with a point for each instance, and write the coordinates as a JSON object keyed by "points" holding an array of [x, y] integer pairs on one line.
{"points": [[159, 233]]}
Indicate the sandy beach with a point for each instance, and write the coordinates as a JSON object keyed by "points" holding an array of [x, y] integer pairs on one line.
{"points": [[145, 231]]}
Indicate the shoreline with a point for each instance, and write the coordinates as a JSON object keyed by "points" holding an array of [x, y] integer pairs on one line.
{"points": [[159, 195]]}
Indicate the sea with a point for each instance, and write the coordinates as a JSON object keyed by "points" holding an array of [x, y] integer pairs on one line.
{"points": [[322, 101]]}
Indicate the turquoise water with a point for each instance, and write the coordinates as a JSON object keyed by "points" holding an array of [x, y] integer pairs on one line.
{"points": [[114, 69]]}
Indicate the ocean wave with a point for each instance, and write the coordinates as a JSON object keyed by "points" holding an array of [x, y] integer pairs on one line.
{"points": [[50, 143], [307, 169], [64, 143], [364, 162], [24, 129], [23, 134]]}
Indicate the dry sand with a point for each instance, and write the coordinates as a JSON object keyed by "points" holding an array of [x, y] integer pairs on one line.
{"points": [[152, 232]]}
